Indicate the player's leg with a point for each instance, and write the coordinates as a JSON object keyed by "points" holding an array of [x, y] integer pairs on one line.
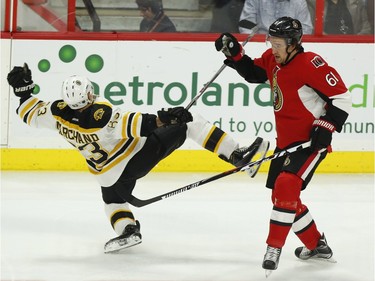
{"points": [[217, 141], [121, 217], [285, 196], [158, 146], [315, 244], [161, 143], [287, 177]]}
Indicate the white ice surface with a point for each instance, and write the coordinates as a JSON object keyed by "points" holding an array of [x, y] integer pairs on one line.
{"points": [[53, 228]]}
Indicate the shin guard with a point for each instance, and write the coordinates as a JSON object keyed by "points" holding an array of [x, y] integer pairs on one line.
{"points": [[305, 228], [210, 137], [119, 215], [285, 198]]}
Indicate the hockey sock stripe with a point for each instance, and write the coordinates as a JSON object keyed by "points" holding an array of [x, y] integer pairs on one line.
{"points": [[281, 216], [302, 221], [213, 140], [301, 230], [280, 225], [289, 224], [121, 215], [304, 213]]}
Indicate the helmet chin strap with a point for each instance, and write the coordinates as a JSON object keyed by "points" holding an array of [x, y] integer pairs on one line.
{"points": [[288, 56]]}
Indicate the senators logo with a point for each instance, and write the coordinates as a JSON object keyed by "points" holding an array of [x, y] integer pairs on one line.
{"points": [[278, 98], [99, 114], [287, 161]]}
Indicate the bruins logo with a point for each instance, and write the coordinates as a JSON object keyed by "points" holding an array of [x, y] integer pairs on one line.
{"points": [[99, 114], [61, 105]]}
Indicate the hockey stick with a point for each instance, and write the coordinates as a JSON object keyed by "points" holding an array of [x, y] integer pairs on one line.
{"points": [[140, 203], [243, 23]]}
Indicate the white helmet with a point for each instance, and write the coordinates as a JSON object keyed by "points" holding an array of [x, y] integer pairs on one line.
{"points": [[77, 92]]}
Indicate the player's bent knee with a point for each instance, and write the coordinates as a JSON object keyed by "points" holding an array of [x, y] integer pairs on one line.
{"points": [[287, 190]]}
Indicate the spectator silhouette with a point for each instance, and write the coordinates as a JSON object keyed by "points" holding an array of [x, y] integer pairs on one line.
{"points": [[346, 17], [265, 12], [370, 13], [226, 15], [154, 18]]}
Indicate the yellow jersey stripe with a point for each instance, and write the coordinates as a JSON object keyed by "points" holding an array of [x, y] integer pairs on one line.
{"points": [[28, 106], [125, 120], [114, 162]]}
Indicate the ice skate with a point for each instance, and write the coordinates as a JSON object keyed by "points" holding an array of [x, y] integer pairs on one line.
{"points": [[321, 252], [244, 155], [130, 237], [271, 259]]}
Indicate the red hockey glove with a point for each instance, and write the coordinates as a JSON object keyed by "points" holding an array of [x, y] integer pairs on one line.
{"points": [[228, 44], [20, 79], [174, 115], [321, 134]]}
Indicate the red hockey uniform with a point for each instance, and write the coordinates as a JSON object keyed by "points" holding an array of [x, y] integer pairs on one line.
{"points": [[303, 90]]}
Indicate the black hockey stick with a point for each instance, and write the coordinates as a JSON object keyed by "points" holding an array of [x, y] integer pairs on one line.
{"points": [[243, 23], [140, 203]]}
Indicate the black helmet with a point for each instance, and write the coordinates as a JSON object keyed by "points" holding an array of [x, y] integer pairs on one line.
{"points": [[288, 28]]}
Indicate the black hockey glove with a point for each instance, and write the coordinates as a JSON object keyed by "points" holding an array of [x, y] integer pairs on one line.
{"points": [[228, 44], [321, 134], [174, 115], [20, 79]]}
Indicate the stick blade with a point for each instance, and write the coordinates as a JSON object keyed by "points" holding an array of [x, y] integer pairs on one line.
{"points": [[246, 24]]}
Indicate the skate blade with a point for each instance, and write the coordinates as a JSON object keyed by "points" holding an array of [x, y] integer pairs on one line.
{"points": [[268, 272], [330, 260], [121, 244], [261, 153]]}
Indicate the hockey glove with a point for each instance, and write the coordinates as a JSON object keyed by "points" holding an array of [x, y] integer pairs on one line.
{"points": [[20, 79], [228, 44], [174, 115], [321, 134]]}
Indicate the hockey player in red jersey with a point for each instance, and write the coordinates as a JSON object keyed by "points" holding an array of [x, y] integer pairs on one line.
{"points": [[310, 102], [120, 147]]}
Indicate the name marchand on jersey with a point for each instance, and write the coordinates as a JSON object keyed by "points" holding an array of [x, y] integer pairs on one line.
{"points": [[81, 132], [75, 135]]}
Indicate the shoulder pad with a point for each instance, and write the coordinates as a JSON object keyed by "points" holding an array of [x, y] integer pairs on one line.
{"points": [[315, 60], [100, 114], [59, 107]]}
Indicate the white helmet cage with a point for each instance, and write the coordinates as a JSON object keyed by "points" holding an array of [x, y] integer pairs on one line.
{"points": [[77, 92]]}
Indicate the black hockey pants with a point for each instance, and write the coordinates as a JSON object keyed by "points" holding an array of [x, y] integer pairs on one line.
{"points": [[161, 143]]}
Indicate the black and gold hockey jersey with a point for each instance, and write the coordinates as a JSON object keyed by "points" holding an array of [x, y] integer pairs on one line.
{"points": [[106, 137]]}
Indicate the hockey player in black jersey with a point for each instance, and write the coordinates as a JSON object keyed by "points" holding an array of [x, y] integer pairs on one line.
{"points": [[120, 147]]}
